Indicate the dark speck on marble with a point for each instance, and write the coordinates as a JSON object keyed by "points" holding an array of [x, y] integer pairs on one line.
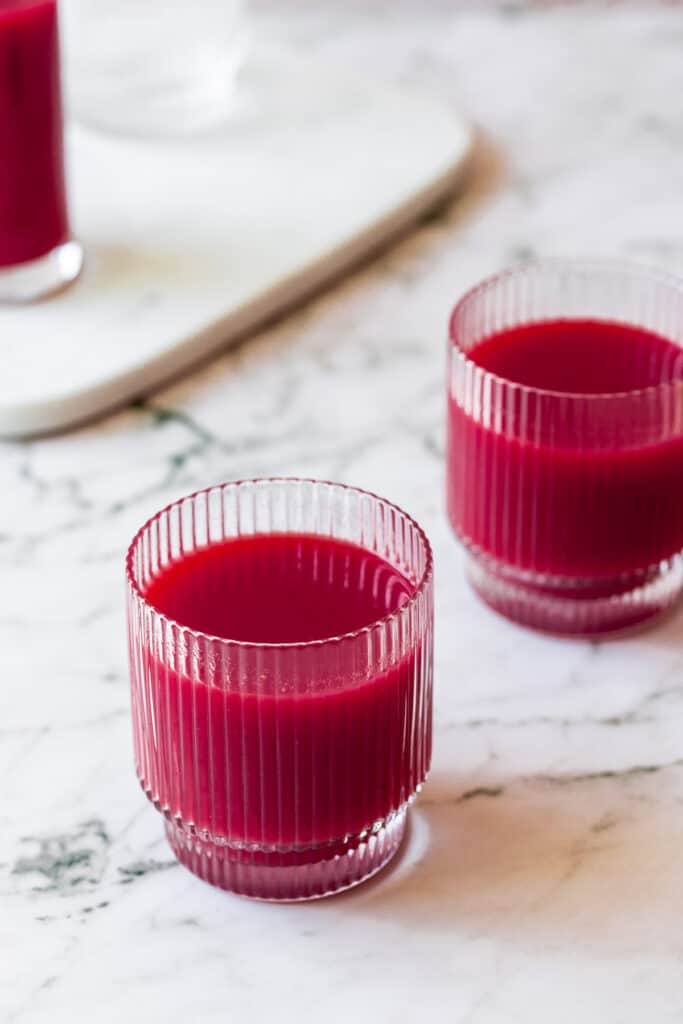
{"points": [[624, 774], [479, 792], [67, 861], [605, 824], [521, 254], [511, 10], [140, 868]]}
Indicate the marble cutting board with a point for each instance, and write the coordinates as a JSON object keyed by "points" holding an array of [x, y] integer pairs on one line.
{"points": [[193, 244]]}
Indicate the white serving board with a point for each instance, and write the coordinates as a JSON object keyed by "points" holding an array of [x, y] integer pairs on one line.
{"points": [[192, 244]]}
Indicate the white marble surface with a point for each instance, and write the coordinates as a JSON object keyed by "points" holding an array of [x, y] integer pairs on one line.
{"points": [[541, 880]]}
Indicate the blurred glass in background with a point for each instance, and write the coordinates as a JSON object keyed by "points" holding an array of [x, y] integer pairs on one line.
{"points": [[152, 67]]}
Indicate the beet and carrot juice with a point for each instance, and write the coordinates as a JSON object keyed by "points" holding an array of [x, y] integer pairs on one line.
{"points": [[33, 210], [282, 704], [565, 453]]}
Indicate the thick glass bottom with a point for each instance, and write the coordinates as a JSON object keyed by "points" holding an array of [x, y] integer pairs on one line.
{"points": [[577, 608], [303, 873], [37, 279]]}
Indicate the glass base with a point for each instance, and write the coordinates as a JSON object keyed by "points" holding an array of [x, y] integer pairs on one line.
{"points": [[578, 608], [304, 873], [38, 279]]}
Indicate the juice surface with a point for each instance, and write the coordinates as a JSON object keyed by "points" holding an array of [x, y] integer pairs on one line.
{"points": [[586, 357], [279, 588]]}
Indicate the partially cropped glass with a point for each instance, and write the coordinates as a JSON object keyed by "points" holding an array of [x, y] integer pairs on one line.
{"points": [[38, 255], [284, 770], [569, 501], [153, 68]]}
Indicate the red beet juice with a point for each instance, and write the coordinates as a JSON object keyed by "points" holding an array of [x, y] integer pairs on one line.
{"points": [[33, 210], [308, 758], [556, 487]]}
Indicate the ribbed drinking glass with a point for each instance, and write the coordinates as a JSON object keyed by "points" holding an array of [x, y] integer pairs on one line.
{"points": [[284, 770], [570, 503]]}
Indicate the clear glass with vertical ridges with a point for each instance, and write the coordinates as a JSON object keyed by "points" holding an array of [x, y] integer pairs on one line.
{"points": [[570, 505], [284, 771]]}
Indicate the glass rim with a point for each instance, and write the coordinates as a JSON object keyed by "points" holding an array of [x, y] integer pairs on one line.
{"points": [[296, 645], [623, 267]]}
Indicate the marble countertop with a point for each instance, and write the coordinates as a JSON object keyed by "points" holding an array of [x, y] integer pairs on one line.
{"points": [[541, 878]]}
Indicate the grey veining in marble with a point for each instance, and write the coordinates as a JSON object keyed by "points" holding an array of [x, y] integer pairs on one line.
{"points": [[541, 878]]}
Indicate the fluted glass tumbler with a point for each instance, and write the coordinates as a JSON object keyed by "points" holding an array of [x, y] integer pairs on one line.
{"points": [[280, 636], [565, 443]]}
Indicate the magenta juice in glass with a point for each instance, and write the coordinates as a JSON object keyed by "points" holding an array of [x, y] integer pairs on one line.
{"points": [[281, 639], [36, 252], [565, 451]]}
